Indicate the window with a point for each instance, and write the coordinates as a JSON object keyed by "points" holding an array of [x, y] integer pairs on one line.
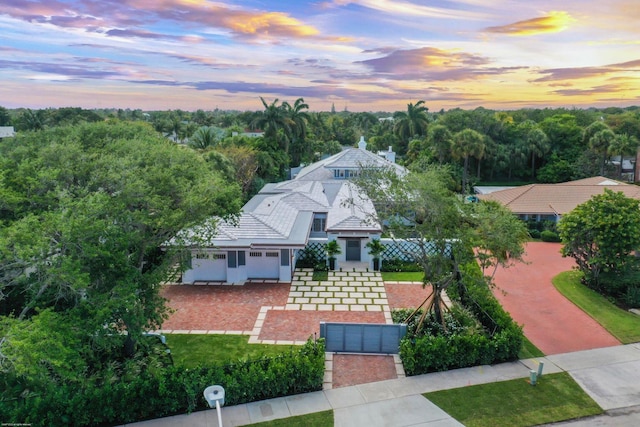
{"points": [[284, 257], [255, 254], [232, 259], [219, 256], [319, 224], [202, 255], [272, 254], [241, 259]]}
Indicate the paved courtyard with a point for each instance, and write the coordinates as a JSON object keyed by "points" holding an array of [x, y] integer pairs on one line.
{"points": [[290, 313]]}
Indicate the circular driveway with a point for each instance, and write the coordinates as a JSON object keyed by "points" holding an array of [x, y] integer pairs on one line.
{"points": [[551, 322]]}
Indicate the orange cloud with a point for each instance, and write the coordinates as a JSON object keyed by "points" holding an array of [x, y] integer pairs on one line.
{"points": [[268, 23], [554, 22]]}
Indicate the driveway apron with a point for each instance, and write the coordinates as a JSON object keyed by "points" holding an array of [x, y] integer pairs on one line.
{"points": [[551, 322]]}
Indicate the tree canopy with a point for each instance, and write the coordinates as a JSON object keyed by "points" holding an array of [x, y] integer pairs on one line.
{"points": [[601, 233], [85, 215]]}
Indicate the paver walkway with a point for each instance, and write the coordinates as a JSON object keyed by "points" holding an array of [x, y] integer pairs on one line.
{"points": [[551, 322]]}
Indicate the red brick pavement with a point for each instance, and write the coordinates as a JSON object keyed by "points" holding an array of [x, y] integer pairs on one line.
{"points": [[353, 369], [551, 322], [406, 295], [300, 325], [221, 308]]}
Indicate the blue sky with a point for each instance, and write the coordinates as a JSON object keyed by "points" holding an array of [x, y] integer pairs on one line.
{"points": [[363, 55]]}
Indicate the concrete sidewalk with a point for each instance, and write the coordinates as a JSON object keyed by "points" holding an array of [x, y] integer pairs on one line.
{"points": [[611, 376]]}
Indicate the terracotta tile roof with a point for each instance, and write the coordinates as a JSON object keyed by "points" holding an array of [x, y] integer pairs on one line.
{"points": [[557, 199]]}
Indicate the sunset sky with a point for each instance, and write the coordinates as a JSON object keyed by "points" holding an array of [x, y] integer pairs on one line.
{"points": [[363, 55]]}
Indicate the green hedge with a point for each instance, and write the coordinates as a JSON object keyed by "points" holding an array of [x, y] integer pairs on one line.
{"points": [[500, 342], [396, 265], [150, 394]]}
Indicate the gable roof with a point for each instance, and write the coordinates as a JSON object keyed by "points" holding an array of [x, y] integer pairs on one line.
{"points": [[282, 213], [557, 199]]}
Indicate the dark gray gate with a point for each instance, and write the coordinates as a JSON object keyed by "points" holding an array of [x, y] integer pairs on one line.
{"points": [[362, 337], [353, 250]]}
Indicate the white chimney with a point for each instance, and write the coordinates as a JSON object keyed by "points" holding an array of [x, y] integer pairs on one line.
{"points": [[362, 143], [390, 155]]}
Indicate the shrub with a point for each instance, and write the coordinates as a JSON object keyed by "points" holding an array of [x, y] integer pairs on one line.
{"points": [[549, 236], [499, 340], [535, 234], [147, 394]]}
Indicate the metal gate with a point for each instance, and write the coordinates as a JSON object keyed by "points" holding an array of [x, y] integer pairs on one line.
{"points": [[362, 337]]}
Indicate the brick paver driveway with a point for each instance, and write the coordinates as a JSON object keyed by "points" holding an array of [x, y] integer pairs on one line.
{"points": [[551, 322]]}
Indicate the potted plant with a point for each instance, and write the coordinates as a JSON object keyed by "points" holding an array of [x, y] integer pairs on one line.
{"points": [[376, 248], [332, 248]]}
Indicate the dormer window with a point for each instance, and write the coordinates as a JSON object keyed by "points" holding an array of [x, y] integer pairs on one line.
{"points": [[319, 225]]}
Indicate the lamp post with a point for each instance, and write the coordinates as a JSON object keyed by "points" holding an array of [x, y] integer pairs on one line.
{"points": [[214, 395]]}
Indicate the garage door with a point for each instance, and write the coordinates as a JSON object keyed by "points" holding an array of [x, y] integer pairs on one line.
{"points": [[210, 267], [263, 265]]}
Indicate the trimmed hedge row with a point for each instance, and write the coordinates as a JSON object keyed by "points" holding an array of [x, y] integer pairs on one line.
{"points": [[170, 391], [501, 341]]}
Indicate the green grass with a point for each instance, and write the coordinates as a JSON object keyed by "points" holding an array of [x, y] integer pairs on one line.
{"points": [[317, 419], [192, 350], [514, 403], [320, 275], [621, 324], [402, 276], [528, 350]]}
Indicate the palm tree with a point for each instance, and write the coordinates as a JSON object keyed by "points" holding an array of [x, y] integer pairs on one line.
{"points": [[600, 143], [623, 144], [275, 123], [298, 129], [205, 137], [411, 123], [439, 138], [467, 143], [537, 145]]}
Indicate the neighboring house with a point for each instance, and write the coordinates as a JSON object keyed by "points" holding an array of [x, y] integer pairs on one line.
{"points": [[283, 218], [7, 132], [550, 201]]}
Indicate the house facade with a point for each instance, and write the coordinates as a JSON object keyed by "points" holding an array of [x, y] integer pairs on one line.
{"points": [[316, 206], [550, 202]]}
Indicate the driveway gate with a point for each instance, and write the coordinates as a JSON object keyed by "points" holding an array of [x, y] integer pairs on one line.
{"points": [[362, 337]]}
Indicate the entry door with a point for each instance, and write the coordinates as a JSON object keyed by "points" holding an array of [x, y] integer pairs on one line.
{"points": [[353, 250]]}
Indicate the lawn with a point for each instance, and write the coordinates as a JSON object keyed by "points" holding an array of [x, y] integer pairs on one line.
{"points": [[191, 350], [621, 324], [402, 276], [317, 419], [528, 350], [514, 403]]}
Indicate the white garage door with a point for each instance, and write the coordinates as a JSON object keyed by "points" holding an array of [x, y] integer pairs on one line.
{"points": [[210, 267], [263, 265]]}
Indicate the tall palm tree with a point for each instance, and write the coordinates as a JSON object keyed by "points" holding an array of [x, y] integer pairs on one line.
{"points": [[467, 143], [537, 145], [275, 123], [413, 122], [600, 143], [439, 138], [298, 118], [205, 137]]}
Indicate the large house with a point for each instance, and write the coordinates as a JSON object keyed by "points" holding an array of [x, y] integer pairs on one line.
{"points": [[283, 218], [550, 201]]}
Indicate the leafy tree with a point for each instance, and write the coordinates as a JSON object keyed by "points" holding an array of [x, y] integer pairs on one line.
{"points": [[92, 207], [599, 137], [5, 117], [421, 209], [466, 144], [601, 233]]}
